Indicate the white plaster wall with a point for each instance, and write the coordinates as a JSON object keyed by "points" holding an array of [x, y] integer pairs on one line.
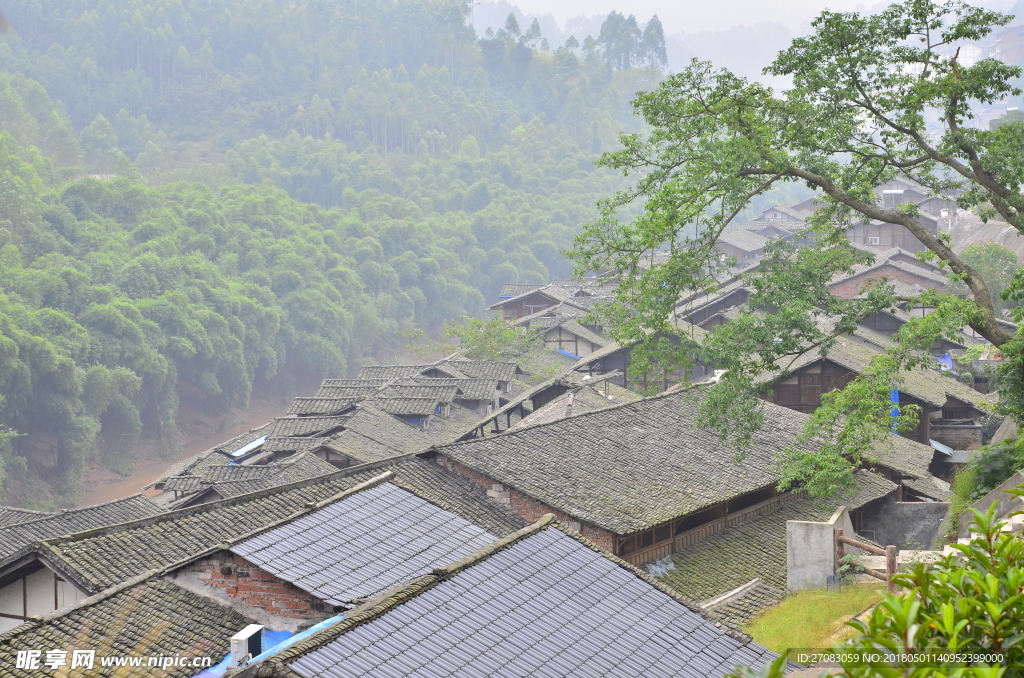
{"points": [[40, 587], [11, 600], [67, 594]]}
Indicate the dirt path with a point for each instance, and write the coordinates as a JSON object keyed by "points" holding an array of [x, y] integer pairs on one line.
{"points": [[197, 439]]}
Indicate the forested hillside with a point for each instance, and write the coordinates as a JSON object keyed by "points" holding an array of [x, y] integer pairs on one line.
{"points": [[363, 168]]}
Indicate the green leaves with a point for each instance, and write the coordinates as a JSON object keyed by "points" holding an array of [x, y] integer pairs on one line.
{"points": [[967, 604]]}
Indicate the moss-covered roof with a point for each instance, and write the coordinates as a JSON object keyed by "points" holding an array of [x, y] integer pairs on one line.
{"points": [[741, 553], [16, 537], [630, 467], [151, 618], [925, 384], [99, 558]]}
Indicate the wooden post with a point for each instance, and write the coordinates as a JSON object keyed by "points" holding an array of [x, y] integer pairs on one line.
{"points": [[890, 567], [839, 550]]}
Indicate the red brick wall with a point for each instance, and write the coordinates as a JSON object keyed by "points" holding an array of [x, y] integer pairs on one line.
{"points": [[527, 507], [852, 286], [238, 579]]}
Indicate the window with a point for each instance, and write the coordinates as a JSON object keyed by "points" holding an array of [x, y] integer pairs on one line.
{"points": [[872, 240]]}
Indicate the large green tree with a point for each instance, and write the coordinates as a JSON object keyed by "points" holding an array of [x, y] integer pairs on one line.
{"points": [[873, 98]]}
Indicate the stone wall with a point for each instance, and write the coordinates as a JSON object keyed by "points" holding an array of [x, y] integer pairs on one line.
{"points": [[957, 436], [912, 525], [525, 506], [231, 578]]}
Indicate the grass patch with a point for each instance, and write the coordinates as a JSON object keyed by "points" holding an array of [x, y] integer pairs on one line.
{"points": [[812, 619]]}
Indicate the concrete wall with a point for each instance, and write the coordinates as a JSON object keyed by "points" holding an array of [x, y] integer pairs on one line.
{"points": [[913, 525], [1006, 502], [810, 550]]}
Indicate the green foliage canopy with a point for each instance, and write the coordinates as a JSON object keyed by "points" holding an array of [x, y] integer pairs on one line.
{"points": [[866, 90]]}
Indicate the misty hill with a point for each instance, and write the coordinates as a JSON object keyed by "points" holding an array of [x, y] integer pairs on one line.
{"points": [[363, 168]]}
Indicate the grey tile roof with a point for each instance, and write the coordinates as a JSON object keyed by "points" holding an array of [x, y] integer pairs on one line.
{"points": [[579, 401], [360, 447], [748, 241], [407, 406], [305, 407], [185, 483], [244, 439], [545, 604], [551, 316], [373, 422], [740, 612], [631, 467], [389, 372], [928, 488], [16, 537], [363, 544], [470, 389], [349, 392], [546, 360], [358, 383], [510, 290], [10, 515], [927, 385], [100, 558], [289, 444], [483, 369], [151, 618], [234, 480], [744, 552], [285, 427], [439, 393]]}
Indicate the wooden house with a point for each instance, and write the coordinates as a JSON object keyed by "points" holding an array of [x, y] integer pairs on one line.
{"points": [[950, 410], [594, 469]]}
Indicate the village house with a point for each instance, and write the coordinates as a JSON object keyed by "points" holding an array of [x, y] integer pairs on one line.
{"points": [[737, 572], [641, 479], [30, 585], [519, 301], [543, 600], [144, 617], [564, 332], [909, 275], [950, 410], [337, 553], [94, 558]]}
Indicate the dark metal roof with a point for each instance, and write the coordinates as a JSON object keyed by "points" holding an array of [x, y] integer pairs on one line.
{"points": [[546, 605], [363, 544]]}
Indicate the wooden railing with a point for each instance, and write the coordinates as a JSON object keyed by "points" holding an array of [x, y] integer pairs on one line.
{"points": [[889, 552], [702, 532]]}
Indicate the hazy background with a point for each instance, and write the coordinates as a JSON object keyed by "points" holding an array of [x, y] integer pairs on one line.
{"points": [[742, 35]]}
